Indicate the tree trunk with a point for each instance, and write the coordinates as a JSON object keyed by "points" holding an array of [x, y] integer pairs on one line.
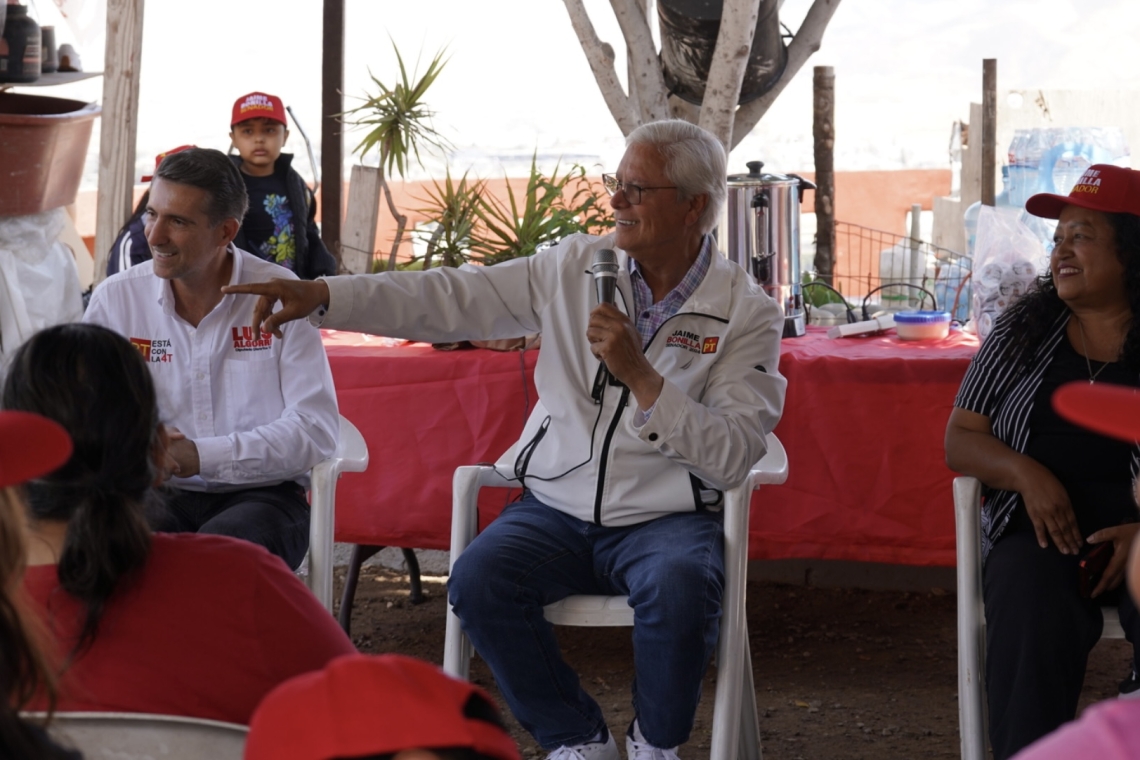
{"points": [[646, 81], [803, 46], [648, 99], [823, 130], [730, 59], [601, 59]]}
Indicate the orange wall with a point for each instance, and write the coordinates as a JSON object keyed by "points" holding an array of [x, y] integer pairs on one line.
{"points": [[875, 199], [881, 200]]}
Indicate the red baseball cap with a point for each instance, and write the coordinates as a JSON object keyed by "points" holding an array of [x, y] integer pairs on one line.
{"points": [[258, 105], [361, 705], [1113, 410], [30, 446], [1103, 187], [160, 156]]}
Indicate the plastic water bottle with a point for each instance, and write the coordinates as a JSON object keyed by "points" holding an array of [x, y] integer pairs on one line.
{"points": [[1016, 178], [1071, 158], [970, 218], [1034, 147]]}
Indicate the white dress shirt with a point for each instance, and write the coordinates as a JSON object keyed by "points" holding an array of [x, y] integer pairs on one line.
{"points": [[260, 410]]}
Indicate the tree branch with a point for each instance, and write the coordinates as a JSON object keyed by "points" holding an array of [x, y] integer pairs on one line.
{"points": [[646, 77], [683, 109], [600, 56], [806, 42], [401, 223], [730, 58]]}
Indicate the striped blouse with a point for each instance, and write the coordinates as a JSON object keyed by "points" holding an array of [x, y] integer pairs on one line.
{"points": [[1003, 391]]}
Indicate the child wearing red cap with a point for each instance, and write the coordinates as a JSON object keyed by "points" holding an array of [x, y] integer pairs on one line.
{"points": [[281, 223]]}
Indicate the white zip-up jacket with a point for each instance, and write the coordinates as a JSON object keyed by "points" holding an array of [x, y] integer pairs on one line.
{"points": [[718, 355]]}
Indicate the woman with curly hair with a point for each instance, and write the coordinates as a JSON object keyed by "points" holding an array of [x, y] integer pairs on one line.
{"points": [[1054, 492], [180, 624], [30, 446]]}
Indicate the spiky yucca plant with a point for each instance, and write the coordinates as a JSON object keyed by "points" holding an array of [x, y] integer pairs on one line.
{"points": [[399, 124], [552, 208]]}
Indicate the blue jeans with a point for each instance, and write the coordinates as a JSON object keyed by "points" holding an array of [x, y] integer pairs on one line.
{"points": [[672, 570]]}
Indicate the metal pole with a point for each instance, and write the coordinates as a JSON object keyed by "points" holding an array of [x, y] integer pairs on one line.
{"points": [[332, 138], [917, 259], [823, 131]]}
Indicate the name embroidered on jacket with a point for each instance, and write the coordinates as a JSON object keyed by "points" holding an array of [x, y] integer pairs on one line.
{"points": [[684, 339], [245, 340], [154, 350]]}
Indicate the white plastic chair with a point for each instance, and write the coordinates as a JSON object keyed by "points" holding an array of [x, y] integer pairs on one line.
{"points": [[736, 728], [134, 736], [351, 455], [972, 619]]}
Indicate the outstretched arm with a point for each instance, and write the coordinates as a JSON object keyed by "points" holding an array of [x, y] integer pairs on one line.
{"points": [[299, 299]]}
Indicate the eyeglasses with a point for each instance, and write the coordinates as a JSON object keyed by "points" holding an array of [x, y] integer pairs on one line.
{"points": [[632, 192]]}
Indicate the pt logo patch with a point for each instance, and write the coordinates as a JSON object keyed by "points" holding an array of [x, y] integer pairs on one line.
{"points": [[154, 350], [709, 346], [246, 340]]}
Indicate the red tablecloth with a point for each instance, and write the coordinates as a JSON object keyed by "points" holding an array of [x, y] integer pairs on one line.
{"points": [[863, 428]]}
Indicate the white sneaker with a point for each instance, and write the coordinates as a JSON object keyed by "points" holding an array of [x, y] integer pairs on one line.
{"points": [[636, 748], [603, 750]]}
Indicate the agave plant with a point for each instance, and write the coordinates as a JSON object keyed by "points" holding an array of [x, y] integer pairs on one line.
{"points": [[552, 208], [399, 124], [454, 212]]}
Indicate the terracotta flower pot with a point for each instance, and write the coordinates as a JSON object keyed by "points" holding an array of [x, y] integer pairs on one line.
{"points": [[43, 146]]}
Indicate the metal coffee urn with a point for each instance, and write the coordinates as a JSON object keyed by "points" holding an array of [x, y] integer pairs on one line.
{"points": [[760, 231]]}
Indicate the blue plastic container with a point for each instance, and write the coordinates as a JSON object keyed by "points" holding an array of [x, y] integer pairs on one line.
{"points": [[922, 325]]}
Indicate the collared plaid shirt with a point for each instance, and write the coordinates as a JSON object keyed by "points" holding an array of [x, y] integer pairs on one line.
{"points": [[649, 316]]}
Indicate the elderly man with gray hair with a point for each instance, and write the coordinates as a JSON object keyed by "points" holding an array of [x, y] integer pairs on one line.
{"points": [[649, 408]]}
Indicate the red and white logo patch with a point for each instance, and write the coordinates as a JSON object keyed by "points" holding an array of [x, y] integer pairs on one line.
{"points": [[245, 339], [153, 350]]}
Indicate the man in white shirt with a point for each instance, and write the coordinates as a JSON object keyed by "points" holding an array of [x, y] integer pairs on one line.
{"points": [[248, 414]]}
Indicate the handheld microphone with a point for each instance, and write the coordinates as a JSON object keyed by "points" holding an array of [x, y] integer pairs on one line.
{"points": [[605, 271]]}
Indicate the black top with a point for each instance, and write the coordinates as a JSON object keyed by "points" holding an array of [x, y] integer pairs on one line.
{"points": [[269, 226], [1095, 470]]}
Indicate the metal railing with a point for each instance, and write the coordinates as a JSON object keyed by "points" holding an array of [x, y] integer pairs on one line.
{"points": [[884, 266]]}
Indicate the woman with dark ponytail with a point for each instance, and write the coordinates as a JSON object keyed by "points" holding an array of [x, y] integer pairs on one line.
{"points": [[29, 447], [182, 624]]}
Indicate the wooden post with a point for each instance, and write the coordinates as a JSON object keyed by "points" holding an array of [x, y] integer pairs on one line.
{"points": [[989, 129], [823, 130], [358, 243], [332, 136], [118, 132]]}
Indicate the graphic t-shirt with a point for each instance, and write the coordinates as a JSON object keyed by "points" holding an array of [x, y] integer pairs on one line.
{"points": [[268, 225]]}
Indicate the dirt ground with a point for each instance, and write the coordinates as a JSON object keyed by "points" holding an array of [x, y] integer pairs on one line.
{"points": [[840, 673]]}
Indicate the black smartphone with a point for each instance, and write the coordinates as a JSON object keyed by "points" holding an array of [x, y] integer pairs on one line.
{"points": [[1091, 567]]}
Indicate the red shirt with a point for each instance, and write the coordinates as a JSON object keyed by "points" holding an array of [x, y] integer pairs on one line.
{"points": [[208, 627]]}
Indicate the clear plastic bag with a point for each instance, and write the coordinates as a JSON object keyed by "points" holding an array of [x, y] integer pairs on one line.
{"points": [[1008, 257], [39, 284]]}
